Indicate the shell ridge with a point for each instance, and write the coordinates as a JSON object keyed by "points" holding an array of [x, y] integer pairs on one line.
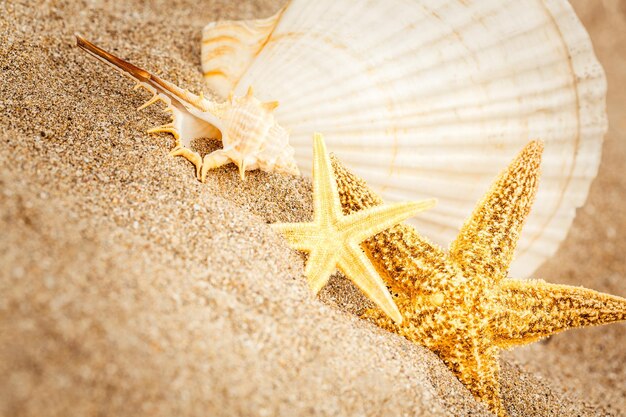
{"points": [[217, 45]]}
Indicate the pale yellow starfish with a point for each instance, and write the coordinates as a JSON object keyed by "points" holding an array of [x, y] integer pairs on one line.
{"points": [[333, 240], [461, 304]]}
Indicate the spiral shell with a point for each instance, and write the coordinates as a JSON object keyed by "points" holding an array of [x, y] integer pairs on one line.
{"points": [[251, 137]]}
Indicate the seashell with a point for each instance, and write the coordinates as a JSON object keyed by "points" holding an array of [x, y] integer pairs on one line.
{"points": [[250, 136], [430, 98]]}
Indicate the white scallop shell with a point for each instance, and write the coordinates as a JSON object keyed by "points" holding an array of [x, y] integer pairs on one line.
{"points": [[430, 98]]}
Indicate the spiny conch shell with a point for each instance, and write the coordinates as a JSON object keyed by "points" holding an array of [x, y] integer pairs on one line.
{"points": [[250, 136], [430, 98]]}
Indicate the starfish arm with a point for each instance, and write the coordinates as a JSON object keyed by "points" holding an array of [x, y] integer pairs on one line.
{"points": [[354, 193], [326, 205], [466, 350], [319, 267], [476, 366], [410, 259], [366, 223], [532, 310], [486, 244], [355, 265], [301, 236]]}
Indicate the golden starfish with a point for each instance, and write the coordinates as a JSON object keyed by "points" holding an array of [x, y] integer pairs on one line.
{"points": [[333, 240], [460, 304]]}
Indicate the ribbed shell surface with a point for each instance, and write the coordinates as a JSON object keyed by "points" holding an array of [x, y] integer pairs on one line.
{"points": [[431, 98]]}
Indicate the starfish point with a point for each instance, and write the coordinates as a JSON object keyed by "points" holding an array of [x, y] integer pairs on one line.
{"points": [[333, 240]]}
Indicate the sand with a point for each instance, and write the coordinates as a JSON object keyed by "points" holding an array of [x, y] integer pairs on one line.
{"points": [[129, 288]]}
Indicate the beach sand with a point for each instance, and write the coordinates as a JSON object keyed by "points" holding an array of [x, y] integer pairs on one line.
{"points": [[129, 288]]}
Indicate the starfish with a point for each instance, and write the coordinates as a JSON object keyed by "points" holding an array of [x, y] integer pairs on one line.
{"points": [[333, 239], [460, 304]]}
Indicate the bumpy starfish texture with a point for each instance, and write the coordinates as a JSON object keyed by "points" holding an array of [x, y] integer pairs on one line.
{"points": [[333, 239], [460, 304]]}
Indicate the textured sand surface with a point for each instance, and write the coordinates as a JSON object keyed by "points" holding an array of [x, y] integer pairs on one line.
{"points": [[128, 288]]}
